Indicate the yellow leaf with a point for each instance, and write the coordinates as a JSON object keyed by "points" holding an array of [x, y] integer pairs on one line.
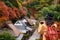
{"points": [[19, 3]]}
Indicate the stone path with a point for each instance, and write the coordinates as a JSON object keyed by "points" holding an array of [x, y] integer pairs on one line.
{"points": [[20, 37], [34, 36]]}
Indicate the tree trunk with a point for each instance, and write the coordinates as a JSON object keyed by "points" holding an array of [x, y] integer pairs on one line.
{"points": [[56, 2]]}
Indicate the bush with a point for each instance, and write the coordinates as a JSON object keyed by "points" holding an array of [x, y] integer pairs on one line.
{"points": [[52, 9], [6, 36], [57, 8], [37, 39]]}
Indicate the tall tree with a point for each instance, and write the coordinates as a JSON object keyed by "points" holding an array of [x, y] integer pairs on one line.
{"points": [[56, 2]]}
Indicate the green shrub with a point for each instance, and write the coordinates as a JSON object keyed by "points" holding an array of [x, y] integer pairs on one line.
{"points": [[6, 36], [57, 8], [52, 9], [37, 39]]}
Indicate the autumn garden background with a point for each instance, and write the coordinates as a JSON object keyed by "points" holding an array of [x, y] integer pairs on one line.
{"points": [[13, 10]]}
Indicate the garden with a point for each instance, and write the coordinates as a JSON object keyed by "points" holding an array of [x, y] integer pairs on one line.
{"points": [[18, 10]]}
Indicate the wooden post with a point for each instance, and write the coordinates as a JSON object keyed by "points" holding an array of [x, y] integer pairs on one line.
{"points": [[29, 21], [14, 29]]}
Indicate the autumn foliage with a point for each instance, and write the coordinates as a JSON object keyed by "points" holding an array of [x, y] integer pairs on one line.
{"points": [[7, 13], [3, 11], [16, 11]]}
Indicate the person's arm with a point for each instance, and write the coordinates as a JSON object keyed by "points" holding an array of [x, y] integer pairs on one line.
{"points": [[40, 28]]}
